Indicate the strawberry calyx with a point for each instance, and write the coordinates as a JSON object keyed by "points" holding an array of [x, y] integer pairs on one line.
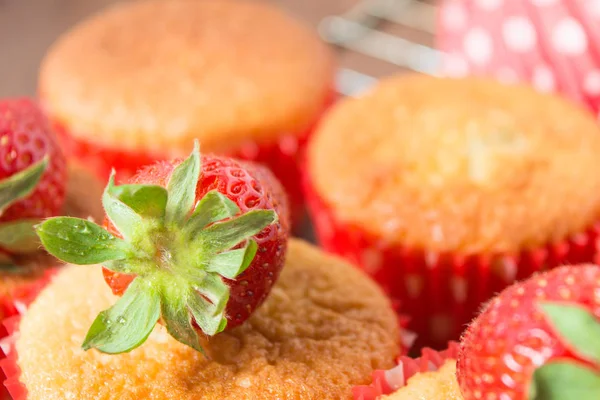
{"points": [[18, 236], [178, 250], [561, 379]]}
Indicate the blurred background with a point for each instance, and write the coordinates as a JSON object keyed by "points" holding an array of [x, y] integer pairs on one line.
{"points": [[373, 37]]}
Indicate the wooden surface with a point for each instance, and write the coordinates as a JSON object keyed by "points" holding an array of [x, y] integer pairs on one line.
{"points": [[28, 27]]}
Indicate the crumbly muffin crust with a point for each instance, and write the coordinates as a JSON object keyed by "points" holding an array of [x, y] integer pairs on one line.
{"points": [[467, 166], [323, 329], [154, 75]]}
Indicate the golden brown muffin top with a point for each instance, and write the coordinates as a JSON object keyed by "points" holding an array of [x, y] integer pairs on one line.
{"points": [[436, 385], [322, 330], [468, 166], [154, 75]]}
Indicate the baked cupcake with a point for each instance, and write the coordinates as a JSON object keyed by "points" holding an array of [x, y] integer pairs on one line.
{"points": [[429, 377], [447, 190], [241, 76], [321, 331], [549, 44]]}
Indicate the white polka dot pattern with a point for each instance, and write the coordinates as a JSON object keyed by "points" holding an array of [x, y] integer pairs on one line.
{"points": [[543, 78], [489, 5], [591, 84], [478, 45], [519, 34], [552, 44], [569, 38]]}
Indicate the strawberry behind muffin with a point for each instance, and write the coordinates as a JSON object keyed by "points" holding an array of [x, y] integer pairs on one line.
{"points": [[35, 183], [241, 76], [447, 190]]}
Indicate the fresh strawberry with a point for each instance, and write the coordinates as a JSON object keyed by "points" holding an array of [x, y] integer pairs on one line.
{"points": [[196, 244], [32, 174], [538, 340]]}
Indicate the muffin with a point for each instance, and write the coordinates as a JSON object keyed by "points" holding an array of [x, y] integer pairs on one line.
{"points": [[549, 44], [322, 330], [429, 377], [447, 190], [240, 76]]}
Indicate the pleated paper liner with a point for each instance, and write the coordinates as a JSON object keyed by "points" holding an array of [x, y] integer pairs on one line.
{"points": [[388, 381], [8, 363], [555, 46], [281, 156], [11, 309], [20, 298], [440, 293]]}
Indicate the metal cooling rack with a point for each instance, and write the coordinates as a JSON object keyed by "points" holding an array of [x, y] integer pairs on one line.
{"points": [[362, 29]]}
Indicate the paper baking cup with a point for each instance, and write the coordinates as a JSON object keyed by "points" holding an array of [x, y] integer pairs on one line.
{"points": [[553, 45], [11, 309], [9, 368], [281, 156], [441, 293], [21, 297], [388, 381]]}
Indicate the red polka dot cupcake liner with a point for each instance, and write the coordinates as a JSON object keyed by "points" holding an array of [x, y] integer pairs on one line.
{"points": [[385, 382], [281, 156], [440, 293], [11, 309], [552, 45]]}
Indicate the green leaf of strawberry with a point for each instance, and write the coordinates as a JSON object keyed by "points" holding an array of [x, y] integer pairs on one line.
{"points": [[576, 326], [21, 184], [234, 262], [79, 241], [145, 200], [128, 323], [563, 381], [182, 189], [224, 235], [180, 255], [19, 236], [213, 207]]}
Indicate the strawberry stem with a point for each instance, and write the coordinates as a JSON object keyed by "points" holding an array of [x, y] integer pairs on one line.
{"points": [[179, 253]]}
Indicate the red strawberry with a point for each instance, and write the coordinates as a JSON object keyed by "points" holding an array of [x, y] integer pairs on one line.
{"points": [[32, 174], [196, 244], [538, 340]]}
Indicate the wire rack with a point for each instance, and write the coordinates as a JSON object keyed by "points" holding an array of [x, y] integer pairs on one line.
{"points": [[380, 29]]}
